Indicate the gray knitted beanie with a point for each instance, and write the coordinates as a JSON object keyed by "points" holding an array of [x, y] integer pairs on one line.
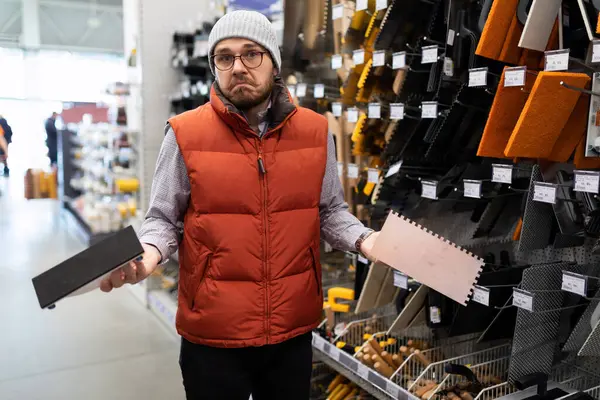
{"points": [[249, 25]]}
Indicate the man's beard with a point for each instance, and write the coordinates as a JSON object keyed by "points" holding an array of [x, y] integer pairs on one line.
{"points": [[243, 100]]}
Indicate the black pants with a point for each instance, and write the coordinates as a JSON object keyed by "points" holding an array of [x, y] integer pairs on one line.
{"points": [[279, 371]]}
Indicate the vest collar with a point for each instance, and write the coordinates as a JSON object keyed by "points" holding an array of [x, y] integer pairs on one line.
{"points": [[281, 107]]}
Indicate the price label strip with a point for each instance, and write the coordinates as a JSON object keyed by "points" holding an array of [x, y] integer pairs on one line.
{"points": [[393, 390], [353, 115], [400, 280], [595, 51], [349, 362], [472, 189], [429, 54], [319, 342], [523, 299], [394, 169], [336, 61], [381, 5], [574, 283], [358, 56], [544, 192], [481, 295], [515, 76], [363, 371], [587, 181], [301, 90], [379, 58], [336, 109], [478, 77], [352, 171], [429, 110], [337, 11], [399, 60], [396, 111], [429, 190], [373, 175], [374, 110], [378, 380], [319, 91], [557, 60], [502, 173]]}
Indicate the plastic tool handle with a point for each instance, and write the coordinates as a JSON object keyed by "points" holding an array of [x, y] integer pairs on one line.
{"points": [[456, 369]]}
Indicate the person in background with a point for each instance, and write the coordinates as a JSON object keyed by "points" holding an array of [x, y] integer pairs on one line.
{"points": [[6, 134], [52, 139], [253, 178]]}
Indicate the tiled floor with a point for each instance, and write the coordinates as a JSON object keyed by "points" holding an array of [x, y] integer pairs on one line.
{"points": [[96, 346]]}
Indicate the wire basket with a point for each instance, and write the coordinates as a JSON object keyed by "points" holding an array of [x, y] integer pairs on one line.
{"points": [[436, 371], [594, 392], [574, 377], [496, 391]]}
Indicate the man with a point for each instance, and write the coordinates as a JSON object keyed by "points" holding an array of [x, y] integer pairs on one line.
{"points": [[6, 134], [254, 180], [52, 139]]}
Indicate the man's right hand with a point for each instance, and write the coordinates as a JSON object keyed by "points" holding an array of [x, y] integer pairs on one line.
{"points": [[133, 272]]}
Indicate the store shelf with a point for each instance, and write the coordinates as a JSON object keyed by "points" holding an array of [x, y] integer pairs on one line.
{"points": [[164, 307], [369, 380]]}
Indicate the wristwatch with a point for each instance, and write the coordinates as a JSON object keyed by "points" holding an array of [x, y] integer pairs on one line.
{"points": [[361, 239]]}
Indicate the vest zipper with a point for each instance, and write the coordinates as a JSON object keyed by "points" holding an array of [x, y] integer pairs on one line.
{"points": [[263, 178]]}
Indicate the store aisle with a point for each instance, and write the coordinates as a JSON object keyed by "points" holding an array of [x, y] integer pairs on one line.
{"points": [[96, 346]]}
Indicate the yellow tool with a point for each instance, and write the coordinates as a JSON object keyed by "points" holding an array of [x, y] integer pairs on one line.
{"points": [[338, 293]]}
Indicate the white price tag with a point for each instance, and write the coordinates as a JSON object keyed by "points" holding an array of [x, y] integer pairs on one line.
{"points": [[451, 35], [358, 56], [400, 280], [557, 60], [334, 352], [340, 168], [352, 171], [544, 192], [363, 371], [373, 175], [596, 51], [194, 90], [429, 110], [394, 169], [481, 295], [393, 389], [336, 61], [379, 58], [448, 66], [429, 55], [523, 299], [319, 91], [362, 5], [301, 90], [472, 189], [362, 260], [381, 5], [318, 342], [587, 181], [399, 60], [374, 110], [435, 315], [337, 11], [353, 115], [502, 173], [574, 283], [336, 109], [429, 190], [515, 76], [478, 77], [396, 111]]}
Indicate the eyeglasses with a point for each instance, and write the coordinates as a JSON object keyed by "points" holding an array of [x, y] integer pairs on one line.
{"points": [[251, 60]]}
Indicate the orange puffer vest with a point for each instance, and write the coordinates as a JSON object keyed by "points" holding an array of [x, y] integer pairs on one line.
{"points": [[249, 259]]}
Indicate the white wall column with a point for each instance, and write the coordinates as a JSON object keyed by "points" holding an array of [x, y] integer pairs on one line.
{"points": [[30, 38]]}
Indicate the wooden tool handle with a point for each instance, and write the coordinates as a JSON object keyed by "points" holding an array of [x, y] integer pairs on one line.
{"points": [[367, 360], [429, 394], [424, 389], [466, 396], [421, 358], [384, 369], [375, 345], [387, 357], [397, 360]]}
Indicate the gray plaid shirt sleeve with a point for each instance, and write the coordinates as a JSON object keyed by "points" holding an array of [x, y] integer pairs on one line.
{"points": [[170, 196]]}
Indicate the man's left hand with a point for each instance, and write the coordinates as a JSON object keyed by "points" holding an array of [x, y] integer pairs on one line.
{"points": [[367, 246]]}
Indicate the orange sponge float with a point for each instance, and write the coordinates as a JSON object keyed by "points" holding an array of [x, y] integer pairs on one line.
{"points": [[573, 131], [504, 114], [496, 28], [546, 113], [511, 52]]}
